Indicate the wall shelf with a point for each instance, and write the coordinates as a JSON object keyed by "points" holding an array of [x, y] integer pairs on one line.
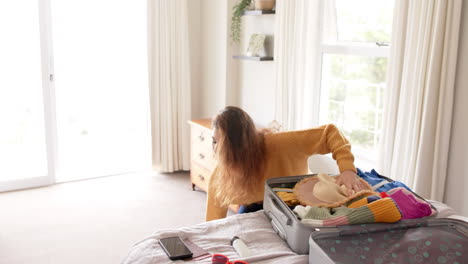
{"points": [[258, 12], [243, 57]]}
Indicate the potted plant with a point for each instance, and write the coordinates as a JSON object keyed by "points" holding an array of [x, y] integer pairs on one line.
{"points": [[237, 12]]}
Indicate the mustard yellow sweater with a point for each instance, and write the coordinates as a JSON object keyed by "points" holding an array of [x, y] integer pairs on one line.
{"points": [[286, 155]]}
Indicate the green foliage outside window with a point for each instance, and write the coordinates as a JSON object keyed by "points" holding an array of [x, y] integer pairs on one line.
{"points": [[354, 77]]}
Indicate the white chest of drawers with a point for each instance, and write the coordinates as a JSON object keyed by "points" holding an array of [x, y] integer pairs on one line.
{"points": [[202, 159], [201, 152]]}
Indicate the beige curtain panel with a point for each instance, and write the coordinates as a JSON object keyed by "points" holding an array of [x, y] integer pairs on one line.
{"points": [[169, 81], [297, 40], [419, 94]]}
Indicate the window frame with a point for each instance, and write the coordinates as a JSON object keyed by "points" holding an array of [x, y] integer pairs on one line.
{"points": [[370, 49]]}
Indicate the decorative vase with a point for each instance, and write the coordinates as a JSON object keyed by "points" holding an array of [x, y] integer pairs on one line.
{"points": [[256, 45]]}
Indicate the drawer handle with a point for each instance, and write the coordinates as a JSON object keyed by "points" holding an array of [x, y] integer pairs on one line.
{"points": [[201, 156], [201, 137], [202, 178]]}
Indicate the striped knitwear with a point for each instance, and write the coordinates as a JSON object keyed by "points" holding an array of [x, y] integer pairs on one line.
{"points": [[380, 211]]}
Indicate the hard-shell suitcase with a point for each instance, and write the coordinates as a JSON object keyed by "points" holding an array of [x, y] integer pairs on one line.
{"points": [[287, 224], [429, 241]]}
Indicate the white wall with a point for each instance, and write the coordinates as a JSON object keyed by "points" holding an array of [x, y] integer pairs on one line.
{"points": [[208, 48], [256, 84], [218, 79], [212, 95], [194, 18], [456, 189]]}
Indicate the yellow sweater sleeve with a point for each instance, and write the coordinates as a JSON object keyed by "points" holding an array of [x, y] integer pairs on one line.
{"points": [[213, 211], [323, 140]]}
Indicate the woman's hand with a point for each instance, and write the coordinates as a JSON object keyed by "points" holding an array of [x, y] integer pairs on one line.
{"points": [[349, 179]]}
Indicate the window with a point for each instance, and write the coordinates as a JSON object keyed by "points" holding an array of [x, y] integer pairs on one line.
{"points": [[78, 108], [101, 87], [22, 136], [354, 51]]}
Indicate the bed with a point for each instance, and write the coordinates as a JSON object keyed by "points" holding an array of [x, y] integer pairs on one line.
{"points": [[215, 237]]}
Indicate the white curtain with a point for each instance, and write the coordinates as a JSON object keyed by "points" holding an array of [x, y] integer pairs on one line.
{"points": [[297, 41], [169, 83], [419, 94]]}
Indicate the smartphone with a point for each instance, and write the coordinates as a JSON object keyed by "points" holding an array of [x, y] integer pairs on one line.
{"points": [[175, 248]]}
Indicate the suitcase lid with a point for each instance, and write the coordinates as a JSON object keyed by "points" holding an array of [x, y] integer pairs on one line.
{"points": [[440, 240]]}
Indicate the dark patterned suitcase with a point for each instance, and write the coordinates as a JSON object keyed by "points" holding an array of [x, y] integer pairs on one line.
{"points": [[435, 241]]}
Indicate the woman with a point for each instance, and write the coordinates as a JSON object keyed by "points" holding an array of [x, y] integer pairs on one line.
{"points": [[248, 157]]}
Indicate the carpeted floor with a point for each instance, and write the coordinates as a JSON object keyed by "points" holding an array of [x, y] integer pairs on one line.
{"points": [[94, 221]]}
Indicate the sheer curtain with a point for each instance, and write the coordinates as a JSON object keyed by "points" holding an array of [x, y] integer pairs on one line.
{"points": [[296, 49], [419, 94], [169, 79]]}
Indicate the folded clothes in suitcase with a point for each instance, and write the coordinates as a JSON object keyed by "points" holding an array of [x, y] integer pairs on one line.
{"points": [[289, 226], [438, 241]]}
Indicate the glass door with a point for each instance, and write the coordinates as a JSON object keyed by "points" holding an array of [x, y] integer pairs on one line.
{"points": [[100, 58], [26, 97], [88, 114]]}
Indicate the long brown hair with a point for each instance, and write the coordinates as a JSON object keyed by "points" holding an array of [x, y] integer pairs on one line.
{"points": [[241, 156]]}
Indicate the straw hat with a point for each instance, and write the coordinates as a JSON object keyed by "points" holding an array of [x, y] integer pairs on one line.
{"points": [[322, 190]]}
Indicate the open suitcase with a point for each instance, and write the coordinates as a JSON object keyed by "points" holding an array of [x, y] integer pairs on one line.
{"points": [[297, 234]]}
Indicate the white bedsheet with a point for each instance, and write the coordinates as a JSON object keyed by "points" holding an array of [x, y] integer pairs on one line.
{"points": [[254, 229], [215, 237]]}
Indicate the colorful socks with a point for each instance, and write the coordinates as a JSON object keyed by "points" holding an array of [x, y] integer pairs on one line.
{"points": [[410, 207]]}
